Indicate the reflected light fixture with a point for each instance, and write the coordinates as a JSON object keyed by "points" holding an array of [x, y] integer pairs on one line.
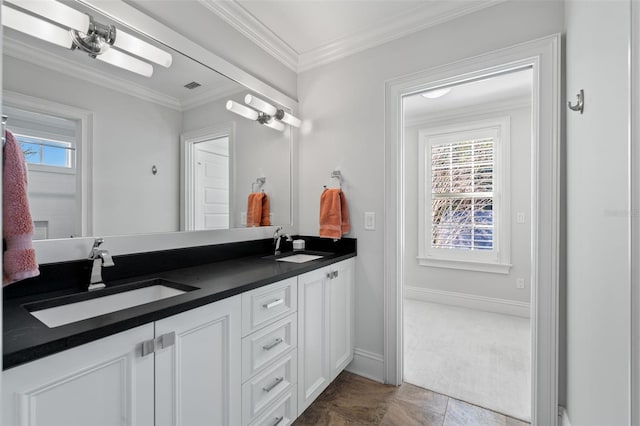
{"points": [[67, 27], [264, 113], [436, 93]]}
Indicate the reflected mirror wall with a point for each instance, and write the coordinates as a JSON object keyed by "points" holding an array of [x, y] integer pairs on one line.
{"points": [[107, 147]]}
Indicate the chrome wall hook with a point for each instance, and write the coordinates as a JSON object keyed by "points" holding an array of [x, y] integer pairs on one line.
{"points": [[579, 106]]}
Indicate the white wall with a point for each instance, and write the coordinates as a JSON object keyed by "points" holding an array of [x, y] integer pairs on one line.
{"points": [[259, 151], [598, 231], [123, 149], [500, 286], [344, 102]]}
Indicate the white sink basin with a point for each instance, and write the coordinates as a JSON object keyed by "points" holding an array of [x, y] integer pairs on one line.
{"points": [[77, 311], [299, 258]]}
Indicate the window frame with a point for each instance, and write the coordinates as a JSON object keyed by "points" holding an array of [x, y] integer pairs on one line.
{"points": [[498, 259]]}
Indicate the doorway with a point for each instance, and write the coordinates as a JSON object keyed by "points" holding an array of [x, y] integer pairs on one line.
{"points": [[207, 179], [467, 268], [543, 57]]}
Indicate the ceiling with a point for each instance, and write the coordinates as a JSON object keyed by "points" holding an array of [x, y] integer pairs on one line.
{"points": [[513, 89], [303, 34]]}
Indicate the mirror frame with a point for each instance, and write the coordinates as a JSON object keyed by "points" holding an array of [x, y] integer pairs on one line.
{"points": [[67, 249]]}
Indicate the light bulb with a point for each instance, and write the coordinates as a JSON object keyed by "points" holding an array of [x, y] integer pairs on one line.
{"points": [[127, 42], [242, 110], [122, 60], [275, 124], [436, 93], [290, 119], [35, 27], [260, 105], [56, 12]]}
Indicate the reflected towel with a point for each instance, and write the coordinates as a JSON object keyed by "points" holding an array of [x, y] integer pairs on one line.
{"points": [[334, 214], [19, 257], [258, 209]]}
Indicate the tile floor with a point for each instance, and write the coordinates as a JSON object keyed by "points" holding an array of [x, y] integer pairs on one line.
{"points": [[355, 400]]}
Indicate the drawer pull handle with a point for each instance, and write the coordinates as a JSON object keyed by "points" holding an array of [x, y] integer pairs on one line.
{"points": [[273, 345], [278, 420], [273, 304], [275, 383], [335, 274]]}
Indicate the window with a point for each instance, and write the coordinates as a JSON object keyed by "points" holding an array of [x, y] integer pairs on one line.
{"points": [[45, 152], [464, 202]]}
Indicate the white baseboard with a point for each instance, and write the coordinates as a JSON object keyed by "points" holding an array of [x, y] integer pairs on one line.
{"points": [[482, 303], [564, 417], [367, 364]]}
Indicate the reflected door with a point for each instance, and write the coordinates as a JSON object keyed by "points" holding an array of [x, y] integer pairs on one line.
{"points": [[212, 184]]}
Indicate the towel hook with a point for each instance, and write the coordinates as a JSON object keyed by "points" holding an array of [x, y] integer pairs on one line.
{"points": [[336, 174], [259, 181], [579, 106]]}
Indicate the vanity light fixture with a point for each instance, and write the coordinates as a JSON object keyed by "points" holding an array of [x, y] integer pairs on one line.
{"points": [[436, 93], [264, 113], [72, 29]]}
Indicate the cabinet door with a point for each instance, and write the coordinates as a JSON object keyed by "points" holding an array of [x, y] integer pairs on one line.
{"points": [[198, 379], [106, 382], [314, 373], [341, 287]]}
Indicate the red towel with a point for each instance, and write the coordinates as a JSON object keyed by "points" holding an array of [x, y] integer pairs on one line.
{"points": [[258, 209], [334, 214], [19, 258]]}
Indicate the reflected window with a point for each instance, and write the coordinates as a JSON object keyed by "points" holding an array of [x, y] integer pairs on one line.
{"points": [[46, 152]]}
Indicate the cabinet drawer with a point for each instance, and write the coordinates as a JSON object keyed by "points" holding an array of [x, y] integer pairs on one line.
{"points": [[263, 389], [263, 346], [282, 413], [266, 304]]}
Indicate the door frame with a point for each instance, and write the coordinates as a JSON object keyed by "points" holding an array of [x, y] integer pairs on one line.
{"points": [[544, 56], [188, 142]]}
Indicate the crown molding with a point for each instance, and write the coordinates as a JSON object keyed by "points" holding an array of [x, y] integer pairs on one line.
{"points": [[412, 21], [252, 28], [44, 58], [417, 19]]}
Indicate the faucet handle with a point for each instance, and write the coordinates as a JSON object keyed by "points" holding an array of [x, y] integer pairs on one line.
{"points": [[97, 242]]}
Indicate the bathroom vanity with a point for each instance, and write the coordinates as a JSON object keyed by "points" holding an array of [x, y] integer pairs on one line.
{"points": [[255, 342]]}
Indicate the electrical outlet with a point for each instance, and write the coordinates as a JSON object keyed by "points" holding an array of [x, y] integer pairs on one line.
{"points": [[520, 283], [369, 221], [520, 217], [243, 218]]}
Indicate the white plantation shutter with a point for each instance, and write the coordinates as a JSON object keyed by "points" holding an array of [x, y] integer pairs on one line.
{"points": [[462, 195]]}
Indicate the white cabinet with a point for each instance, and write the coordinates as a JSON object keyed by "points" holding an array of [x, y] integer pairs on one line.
{"points": [[325, 328], [341, 318], [198, 378], [192, 378], [105, 382], [269, 354]]}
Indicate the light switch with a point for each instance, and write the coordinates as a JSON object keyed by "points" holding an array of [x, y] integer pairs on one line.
{"points": [[369, 221], [243, 218], [520, 283], [520, 217]]}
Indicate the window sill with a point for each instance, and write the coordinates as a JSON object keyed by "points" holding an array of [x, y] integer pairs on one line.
{"points": [[467, 265]]}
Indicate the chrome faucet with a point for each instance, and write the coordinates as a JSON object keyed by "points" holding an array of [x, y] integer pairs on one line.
{"points": [[277, 236], [101, 258]]}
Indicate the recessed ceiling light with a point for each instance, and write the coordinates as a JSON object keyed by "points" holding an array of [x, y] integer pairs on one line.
{"points": [[436, 93]]}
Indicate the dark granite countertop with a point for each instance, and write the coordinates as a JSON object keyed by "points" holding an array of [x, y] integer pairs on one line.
{"points": [[25, 338]]}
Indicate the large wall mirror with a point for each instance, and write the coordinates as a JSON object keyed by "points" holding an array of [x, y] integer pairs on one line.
{"points": [[134, 143]]}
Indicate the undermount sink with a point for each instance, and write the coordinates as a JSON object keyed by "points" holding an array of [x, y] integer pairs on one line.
{"points": [[69, 309], [299, 258]]}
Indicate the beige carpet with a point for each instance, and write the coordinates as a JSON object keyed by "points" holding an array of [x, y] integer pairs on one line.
{"points": [[478, 357]]}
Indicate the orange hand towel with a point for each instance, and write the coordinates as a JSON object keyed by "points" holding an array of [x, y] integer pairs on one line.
{"points": [[19, 257], [258, 209], [334, 214], [254, 209], [265, 220]]}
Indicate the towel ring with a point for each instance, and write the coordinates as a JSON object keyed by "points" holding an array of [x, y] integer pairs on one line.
{"points": [[336, 174], [259, 181]]}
